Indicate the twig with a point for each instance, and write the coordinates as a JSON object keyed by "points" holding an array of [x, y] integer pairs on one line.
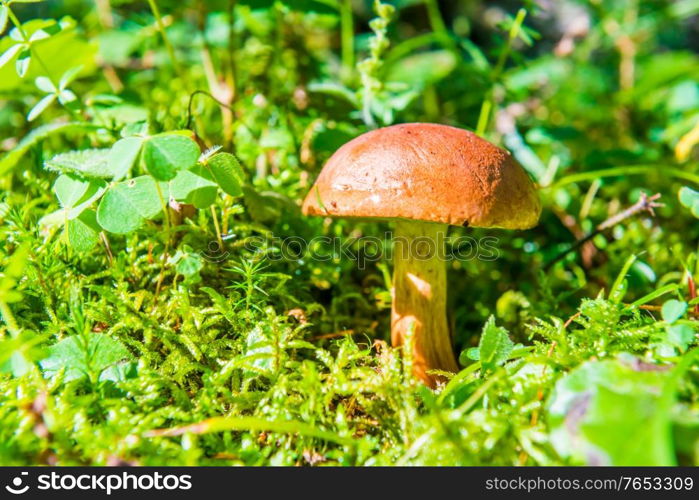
{"points": [[692, 290], [334, 335], [191, 100], [644, 204], [571, 319], [107, 247]]}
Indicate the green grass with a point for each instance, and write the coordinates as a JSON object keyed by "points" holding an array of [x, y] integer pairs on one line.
{"points": [[134, 333]]}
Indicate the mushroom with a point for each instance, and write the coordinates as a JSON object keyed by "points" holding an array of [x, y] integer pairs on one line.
{"points": [[424, 177]]}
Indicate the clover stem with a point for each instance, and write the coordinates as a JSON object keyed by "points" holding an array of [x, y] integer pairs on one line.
{"points": [[420, 298], [218, 228], [166, 215]]}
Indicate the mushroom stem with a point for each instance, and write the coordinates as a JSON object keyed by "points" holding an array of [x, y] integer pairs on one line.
{"points": [[420, 297]]}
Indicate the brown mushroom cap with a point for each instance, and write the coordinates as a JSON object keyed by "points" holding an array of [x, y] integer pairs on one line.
{"points": [[427, 172]]}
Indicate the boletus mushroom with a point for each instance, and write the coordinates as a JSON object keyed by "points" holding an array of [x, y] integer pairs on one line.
{"points": [[424, 177]]}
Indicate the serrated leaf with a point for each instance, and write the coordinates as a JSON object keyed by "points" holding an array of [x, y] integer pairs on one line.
{"points": [[673, 310], [495, 346], [83, 231], [610, 413], [120, 372], [84, 358], [40, 106], [87, 163], [680, 336], [165, 155], [228, 173], [194, 186], [123, 156], [11, 159], [126, 205]]}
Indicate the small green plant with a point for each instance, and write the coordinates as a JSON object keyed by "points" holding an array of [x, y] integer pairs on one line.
{"points": [[146, 319], [175, 172]]}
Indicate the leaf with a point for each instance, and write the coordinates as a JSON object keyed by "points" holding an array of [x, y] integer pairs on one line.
{"points": [[69, 76], [228, 173], [187, 263], [684, 146], [22, 62], [259, 352], [680, 336], [195, 187], [250, 424], [86, 163], [221, 305], [19, 354], [422, 69], [495, 346], [9, 54], [620, 285], [673, 310], [123, 156], [75, 195], [611, 413], [334, 90], [66, 97], [12, 273], [45, 84], [59, 53], [690, 199], [52, 221], [164, 155], [40, 106], [81, 358], [34, 137], [3, 17], [16, 35], [70, 189], [126, 205], [83, 231]]}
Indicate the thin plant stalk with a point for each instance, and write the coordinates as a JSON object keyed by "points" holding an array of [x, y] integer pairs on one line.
{"points": [[438, 25], [217, 227], [168, 45], [168, 225], [488, 103], [17, 24], [347, 34]]}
